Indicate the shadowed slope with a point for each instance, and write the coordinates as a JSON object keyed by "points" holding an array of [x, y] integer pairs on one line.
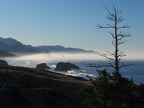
{"points": [[38, 88]]}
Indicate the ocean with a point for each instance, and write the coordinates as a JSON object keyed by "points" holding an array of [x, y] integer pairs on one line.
{"points": [[134, 71]]}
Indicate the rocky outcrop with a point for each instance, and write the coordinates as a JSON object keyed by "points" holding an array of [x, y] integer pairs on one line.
{"points": [[61, 66], [2, 62], [42, 66]]}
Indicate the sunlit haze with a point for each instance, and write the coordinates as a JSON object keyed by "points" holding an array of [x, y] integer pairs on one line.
{"points": [[63, 57], [57, 57]]}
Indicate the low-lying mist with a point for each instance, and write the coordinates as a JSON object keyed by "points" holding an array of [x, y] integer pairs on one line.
{"points": [[57, 57], [62, 57], [31, 60]]}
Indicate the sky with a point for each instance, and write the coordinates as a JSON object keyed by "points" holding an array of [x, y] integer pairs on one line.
{"points": [[71, 23]]}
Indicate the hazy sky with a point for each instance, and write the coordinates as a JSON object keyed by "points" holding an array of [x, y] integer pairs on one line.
{"points": [[71, 23]]}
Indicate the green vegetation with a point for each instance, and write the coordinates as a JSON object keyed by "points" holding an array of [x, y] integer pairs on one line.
{"points": [[112, 92]]}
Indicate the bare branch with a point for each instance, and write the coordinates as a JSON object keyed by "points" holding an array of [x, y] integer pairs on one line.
{"points": [[108, 11], [125, 26], [110, 54], [111, 65], [100, 26], [110, 18], [118, 38], [119, 19], [107, 57], [112, 34], [121, 54], [123, 65], [122, 42]]}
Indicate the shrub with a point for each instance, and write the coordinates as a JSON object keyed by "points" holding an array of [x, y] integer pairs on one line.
{"points": [[112, 92]]}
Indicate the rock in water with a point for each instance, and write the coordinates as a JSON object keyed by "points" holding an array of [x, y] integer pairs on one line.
{"points": [[2, 62], [61, 66], [42, 66]]}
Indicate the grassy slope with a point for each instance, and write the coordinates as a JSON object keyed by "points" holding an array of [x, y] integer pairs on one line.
{"points": [[42, 88]]}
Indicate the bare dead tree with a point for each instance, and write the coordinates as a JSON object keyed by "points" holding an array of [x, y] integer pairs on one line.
{"points": [[118, 36]]}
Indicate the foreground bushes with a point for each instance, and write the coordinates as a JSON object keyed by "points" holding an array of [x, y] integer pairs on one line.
{"points": [[112, 92], [12, 98]]}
